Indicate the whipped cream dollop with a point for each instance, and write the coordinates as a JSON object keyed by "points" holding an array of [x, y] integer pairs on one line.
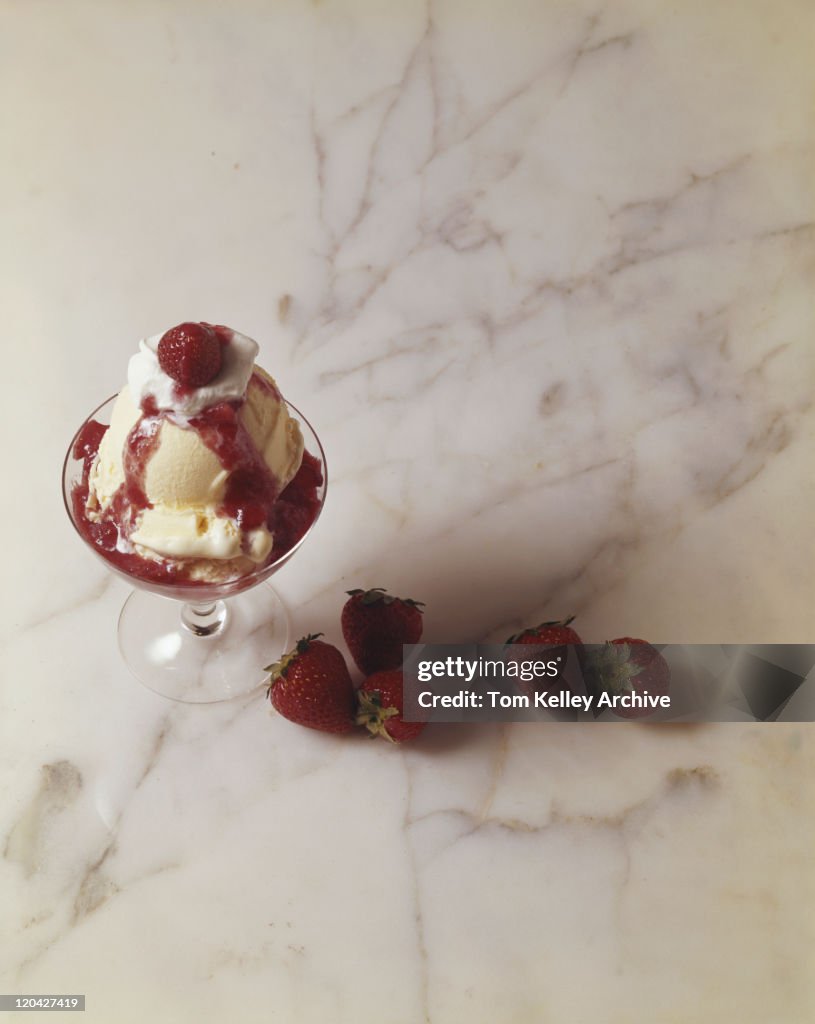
{"points": [[146, 379]]}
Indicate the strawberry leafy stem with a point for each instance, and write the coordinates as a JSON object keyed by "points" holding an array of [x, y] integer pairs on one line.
{"points": [[372, 715], [376, 595]]}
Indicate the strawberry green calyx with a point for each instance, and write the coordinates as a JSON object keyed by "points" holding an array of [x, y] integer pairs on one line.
{"points": [[614, 668], [279, 668], [378, 595], [372, 715]]}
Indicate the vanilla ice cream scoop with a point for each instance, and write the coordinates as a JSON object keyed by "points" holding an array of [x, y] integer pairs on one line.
{"points": [[192, 473]]}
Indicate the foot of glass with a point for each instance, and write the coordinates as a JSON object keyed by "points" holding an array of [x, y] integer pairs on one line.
{"points": [[202, 654]]}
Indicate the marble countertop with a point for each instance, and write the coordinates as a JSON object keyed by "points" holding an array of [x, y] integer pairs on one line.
{"points": [[540, 275]]}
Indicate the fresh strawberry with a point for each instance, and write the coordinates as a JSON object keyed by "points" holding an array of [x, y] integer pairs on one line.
{"points": [[375, 625], [190, 354], [627, 665], [554, 637], [380, 707], [311, 686], [548, 633]]}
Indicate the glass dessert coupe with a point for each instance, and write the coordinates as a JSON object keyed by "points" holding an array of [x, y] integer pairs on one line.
{"points": [[197, 642]]}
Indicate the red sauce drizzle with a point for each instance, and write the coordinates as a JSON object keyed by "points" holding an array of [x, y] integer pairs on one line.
{"points": [[104, 534], [251, 489]]}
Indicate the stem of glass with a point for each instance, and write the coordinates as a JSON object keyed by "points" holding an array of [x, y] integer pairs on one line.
{"points": [[204, 619]]}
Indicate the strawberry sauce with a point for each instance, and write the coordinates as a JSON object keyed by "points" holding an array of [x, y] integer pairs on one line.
{"points": [[251, 489], [142, 441], [252, 496]]}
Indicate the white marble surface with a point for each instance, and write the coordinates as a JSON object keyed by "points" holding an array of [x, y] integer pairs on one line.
{"points": [[541, 276]]}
